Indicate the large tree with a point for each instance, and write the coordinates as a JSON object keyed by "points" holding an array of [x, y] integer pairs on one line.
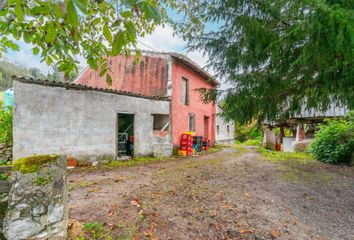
{"points": [[280, 56], [59, 30]]}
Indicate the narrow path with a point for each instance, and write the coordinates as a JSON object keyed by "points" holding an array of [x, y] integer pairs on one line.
{"points": [[225, 195]]}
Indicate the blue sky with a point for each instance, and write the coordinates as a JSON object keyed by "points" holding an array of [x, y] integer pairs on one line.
{"points": [[162, 39]]}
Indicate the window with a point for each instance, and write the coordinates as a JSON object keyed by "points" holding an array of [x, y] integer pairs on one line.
{"points": [[185, 91], [161, 122], [217, 129], [191, 122], [228, 128]]}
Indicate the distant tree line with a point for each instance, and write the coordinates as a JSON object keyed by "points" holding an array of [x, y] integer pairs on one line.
{"points": [[8, 69]]}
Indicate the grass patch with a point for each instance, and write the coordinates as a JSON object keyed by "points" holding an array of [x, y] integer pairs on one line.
{"points": [[295, 167], [137, 161], [274, 156], [291, 174], [251, 142], [240, 149], [31, 164], [82, 184], [217, 148], [42, 181]]}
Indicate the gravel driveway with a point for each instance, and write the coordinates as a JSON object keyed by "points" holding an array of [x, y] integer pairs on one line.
{"points": [[232, 194]]}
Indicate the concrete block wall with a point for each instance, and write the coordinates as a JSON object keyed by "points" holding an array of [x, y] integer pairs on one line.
{"points": [[58, 120]]}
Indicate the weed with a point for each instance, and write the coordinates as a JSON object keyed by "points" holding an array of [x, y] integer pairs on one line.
{"points": [[4, 176], [42, 181], [82, 184], [95, 231], [136, 161]]}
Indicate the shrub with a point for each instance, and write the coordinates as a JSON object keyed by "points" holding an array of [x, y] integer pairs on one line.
{"points": [[252, 142], [5, 125], [250, 132], [334, 141]]}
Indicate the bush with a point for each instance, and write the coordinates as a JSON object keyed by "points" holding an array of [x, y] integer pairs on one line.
{"points": [[250, 132], [5, 125], [252, 142], [334, 141]]}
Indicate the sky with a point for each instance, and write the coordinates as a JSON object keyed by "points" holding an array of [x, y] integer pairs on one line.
{"points": [[162, 39]]}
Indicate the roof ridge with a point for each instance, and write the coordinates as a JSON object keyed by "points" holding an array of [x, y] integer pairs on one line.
{"points": [[84, 87]]}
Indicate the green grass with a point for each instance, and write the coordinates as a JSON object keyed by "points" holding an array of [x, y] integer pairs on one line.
{"points": [[32, 163], [137, 161], [296, 167], [217, 148], [143, 160], [275, 156], [292, 174], [251, 142], [240, 148], [82, 184]]}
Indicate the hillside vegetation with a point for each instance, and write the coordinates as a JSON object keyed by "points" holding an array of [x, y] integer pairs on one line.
{"points": [[8, 69]]}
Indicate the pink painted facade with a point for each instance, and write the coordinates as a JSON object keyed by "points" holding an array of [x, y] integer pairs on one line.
{"points": [[155, 75], [147, 77], [204, 113]]}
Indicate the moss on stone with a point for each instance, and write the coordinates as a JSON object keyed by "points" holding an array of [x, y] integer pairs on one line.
{"points": [[42, 181], [32, 163]]}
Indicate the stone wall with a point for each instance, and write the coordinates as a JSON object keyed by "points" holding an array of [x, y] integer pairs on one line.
{"points": [[79, 122], [37, 206], [5, 154]]}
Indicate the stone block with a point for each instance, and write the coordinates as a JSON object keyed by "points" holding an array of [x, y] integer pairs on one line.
{"points": [[38, 200]]}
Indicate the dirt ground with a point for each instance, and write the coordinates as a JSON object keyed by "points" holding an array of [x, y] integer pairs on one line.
{"points": [[231, 194]]}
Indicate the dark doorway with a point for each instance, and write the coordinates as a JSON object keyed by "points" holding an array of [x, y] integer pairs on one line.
{"points": [[206, 127], [125, 138]]}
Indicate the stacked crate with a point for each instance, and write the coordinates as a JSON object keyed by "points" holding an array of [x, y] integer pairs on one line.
{"points": [[198, 143], [186, 145], [206, 144]]}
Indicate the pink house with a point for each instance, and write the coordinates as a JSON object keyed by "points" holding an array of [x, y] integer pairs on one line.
{"points": [[169, 75]]}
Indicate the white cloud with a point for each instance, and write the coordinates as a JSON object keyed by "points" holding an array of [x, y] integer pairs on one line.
{"points": [[162, 40]]}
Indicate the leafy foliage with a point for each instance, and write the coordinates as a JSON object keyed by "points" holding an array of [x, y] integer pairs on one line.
{"points": [[60, 30], [334, 142], [5, 125], [96, 231], [252, 131], [280, 56]]}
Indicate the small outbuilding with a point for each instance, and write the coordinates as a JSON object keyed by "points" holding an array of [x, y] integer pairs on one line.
{"points": [[86, 122]]}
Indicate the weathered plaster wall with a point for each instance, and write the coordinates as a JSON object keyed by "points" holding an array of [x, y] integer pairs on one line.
{"points": [[224, 131], [148, 77], [78, 122], [180, 111]]}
